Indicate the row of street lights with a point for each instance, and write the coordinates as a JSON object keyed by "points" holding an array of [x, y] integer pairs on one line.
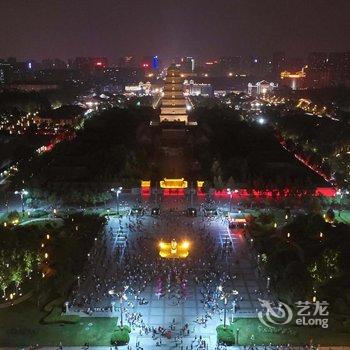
{"points": [[23, 193]]}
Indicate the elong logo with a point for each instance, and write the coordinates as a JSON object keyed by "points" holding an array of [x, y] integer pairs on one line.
{"points": [[308, 313]]}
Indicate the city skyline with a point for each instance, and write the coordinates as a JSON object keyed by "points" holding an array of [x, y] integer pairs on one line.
{"points": [[65, 29], [174, 175]]}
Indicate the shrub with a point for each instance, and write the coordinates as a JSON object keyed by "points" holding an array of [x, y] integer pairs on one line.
{"points": [[121, 336], [225, 335], [55, 302], [56, 316]]}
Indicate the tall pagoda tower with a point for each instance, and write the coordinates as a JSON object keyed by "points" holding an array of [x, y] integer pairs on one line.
{"points": [[173, 105]]}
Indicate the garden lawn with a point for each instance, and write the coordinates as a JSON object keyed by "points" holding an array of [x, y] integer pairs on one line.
{"points": [[250, 333], [344, 216], [20, 326]]}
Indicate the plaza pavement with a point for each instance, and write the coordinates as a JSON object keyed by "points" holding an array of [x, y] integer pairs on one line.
{"points": [[162, 312]]}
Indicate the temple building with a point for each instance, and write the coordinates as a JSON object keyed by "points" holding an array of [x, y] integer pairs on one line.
{"points": [[173, 104]]}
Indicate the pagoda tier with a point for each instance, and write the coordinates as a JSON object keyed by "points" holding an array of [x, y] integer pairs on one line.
{"points": [[173, 79], [173, 107], [173, 95], [173, 88], [175, 102]]}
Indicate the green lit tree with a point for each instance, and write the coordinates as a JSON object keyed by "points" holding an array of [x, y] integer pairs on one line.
{"points": [[16, 275], [326, 267], [4, 278]]}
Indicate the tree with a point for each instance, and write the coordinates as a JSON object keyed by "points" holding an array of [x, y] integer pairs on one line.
{"points": [[4, 278], [325, 267], [13, 216], [330, 215], [218, 183], [16, 275], [28, 261]]}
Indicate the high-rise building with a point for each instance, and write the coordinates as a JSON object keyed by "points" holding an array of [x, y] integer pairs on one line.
{"points": [[127, 62], [338, 68], [155, 62], [90, 63], [173, 105], [5, 68], [278, 63], [230, 65], [316, 72], [187, 64], [146, 62], [53, 64], [317, 61]]}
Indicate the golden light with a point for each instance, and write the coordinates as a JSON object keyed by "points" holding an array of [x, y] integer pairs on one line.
{"points": [[200, 184], [46, 255], [174, 250], [293, 75], [47, 236], [145, 183], [173, 183], [185, 244]]}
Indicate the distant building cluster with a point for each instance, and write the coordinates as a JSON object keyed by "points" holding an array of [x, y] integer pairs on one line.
{"points": [[261, 88], [203, 76], [198, 89]]}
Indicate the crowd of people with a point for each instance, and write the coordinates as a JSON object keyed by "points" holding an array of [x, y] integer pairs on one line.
{"points": [[120, 273]]}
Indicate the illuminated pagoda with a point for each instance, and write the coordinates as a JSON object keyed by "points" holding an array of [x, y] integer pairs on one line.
{"points": [[173, 104]]}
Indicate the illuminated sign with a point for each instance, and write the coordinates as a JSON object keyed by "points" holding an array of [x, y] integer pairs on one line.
{"points": [[173, 183], [145, 183]]}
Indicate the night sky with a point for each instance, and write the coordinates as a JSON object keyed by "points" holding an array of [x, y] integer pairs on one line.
{"points": [[69, 28]]}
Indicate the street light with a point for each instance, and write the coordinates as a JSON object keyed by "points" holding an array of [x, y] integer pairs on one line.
{"points": [[231, 192], [225, 296], [22, 193], [237, 334], [268, 283], [118, 191], [122, 296]]}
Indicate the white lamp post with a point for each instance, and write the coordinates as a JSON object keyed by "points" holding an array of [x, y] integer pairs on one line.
{"points": [[122, 296], [22, 193], [118, 191]]}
